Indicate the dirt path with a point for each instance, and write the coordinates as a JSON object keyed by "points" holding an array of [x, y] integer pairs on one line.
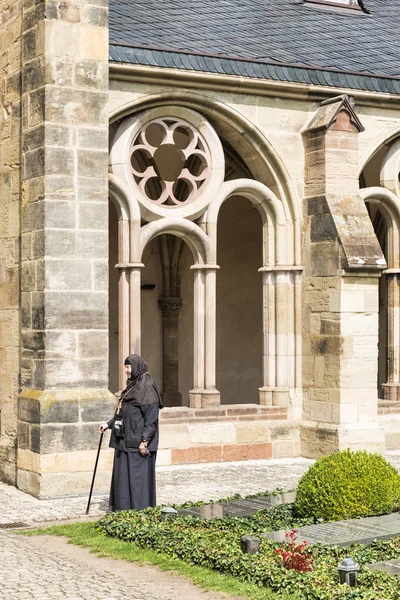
{"points": [[165, 585]]}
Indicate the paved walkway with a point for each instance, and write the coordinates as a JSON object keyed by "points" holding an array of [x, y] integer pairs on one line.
{"points": [[48, 569], [32, 572], [174, 485]]}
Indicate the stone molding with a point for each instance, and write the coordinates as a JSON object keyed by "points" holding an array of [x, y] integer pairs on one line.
{"points": [[226, 83]]}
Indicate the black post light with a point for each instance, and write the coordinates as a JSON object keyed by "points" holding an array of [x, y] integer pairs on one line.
{"points": [[348, 572]]}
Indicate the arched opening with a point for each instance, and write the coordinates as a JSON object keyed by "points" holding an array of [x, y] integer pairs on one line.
{"points": [[257, 155], [382, 172], [370, 176], [381, 231], [249, 241], [239, 302], [167, 316]]}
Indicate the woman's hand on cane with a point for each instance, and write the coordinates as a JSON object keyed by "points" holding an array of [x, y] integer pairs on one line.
{"points": [[103, 427]]}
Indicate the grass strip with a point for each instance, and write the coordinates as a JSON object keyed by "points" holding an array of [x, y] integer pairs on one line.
{"points": [[85, 535]]}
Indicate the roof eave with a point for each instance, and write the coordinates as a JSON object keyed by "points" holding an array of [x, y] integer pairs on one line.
{"points": [[202, 80]]}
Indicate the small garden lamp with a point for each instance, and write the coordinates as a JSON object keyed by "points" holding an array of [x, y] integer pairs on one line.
{"points": [[168, 513], [348, 571]]}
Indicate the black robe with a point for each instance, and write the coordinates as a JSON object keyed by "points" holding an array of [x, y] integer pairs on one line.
{"points": [[133, 484]]}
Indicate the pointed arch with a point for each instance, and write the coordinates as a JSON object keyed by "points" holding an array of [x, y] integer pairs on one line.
{"points": [[270, 209], [383, 141], [389, 205], [123, 198], [191, 233]]}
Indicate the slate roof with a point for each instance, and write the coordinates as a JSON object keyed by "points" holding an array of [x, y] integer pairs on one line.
{"points": [[285, 40]]}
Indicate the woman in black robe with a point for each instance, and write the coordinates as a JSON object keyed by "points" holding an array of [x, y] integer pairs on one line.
{"points": [[133, 483]]}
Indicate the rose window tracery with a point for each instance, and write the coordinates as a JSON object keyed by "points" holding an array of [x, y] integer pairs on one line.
{"points": [[170, 162], [171, 159]]}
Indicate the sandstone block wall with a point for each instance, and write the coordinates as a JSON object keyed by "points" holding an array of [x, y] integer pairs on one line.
{"points": [[10, 187], [63, 195], [240, 432]]}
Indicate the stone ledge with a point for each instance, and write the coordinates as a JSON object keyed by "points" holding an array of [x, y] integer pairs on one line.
{"points": [[230, 412], [386, 407]]}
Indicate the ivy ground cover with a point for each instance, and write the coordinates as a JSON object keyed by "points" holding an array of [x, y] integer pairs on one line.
{"points": [[215, 544]]}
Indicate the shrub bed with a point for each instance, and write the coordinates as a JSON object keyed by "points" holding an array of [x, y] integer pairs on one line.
{"points": [[346, 485], [216, 544]]}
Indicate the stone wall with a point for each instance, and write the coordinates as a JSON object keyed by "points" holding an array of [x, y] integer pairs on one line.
{"points": [[64, 260], [240, 432], [10, 185]]}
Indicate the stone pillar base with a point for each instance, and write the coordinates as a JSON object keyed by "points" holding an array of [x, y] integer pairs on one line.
{"points": [[204, 398], [8, 453], [172, 398], [321, 439], [265, 396], [275, 396], [58, 437], [58, 475], [391, 391]]}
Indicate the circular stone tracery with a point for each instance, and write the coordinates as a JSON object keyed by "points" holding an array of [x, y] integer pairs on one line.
{"points": [[170, 162]]}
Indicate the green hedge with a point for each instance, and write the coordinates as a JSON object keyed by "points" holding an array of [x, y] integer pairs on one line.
{"points": [[347, 485], [215, 544]]}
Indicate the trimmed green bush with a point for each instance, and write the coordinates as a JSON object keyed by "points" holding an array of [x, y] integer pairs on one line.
{"points": [[346, 485]]}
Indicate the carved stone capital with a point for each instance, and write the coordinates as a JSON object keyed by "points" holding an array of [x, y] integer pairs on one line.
{"points": [[170, 305]]}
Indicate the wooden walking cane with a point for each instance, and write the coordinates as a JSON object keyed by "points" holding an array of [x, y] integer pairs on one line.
{"points": [[94, 473]]}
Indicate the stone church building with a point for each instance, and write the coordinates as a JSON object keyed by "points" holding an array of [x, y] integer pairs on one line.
{"points": [[214, 185]]}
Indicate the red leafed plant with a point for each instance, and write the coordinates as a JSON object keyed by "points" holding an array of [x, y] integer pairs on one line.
{"points": [[295, 556]]}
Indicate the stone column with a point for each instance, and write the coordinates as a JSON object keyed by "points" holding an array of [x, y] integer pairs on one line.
{"points": [[211, 396], [10, 205], [269, 338], [123, 298], [342, 266], [198, 339], [391, 389], [280, 353], [129, 301], [204, 392], [170, 308], [135, 308], [64, 261]]}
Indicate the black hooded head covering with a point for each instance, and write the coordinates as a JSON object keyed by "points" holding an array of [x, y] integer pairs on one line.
{"points": [[140, 386]]}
